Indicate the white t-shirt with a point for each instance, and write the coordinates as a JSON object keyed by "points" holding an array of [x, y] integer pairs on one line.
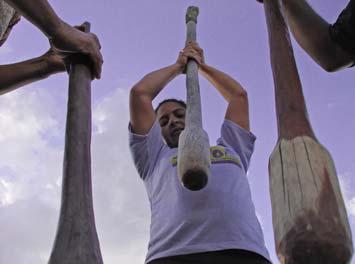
{"points": [[218, 217]]}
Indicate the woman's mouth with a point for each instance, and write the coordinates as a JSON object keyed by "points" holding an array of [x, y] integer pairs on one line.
{"points": [[176, 131]]}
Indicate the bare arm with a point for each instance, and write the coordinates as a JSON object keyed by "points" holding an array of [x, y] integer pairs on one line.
{"points": [[40, 13], [13, 76], [231, 90], [64, 37], [142, 94], [312, 33]]}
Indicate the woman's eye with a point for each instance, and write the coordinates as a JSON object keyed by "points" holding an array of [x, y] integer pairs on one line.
{"points": [[180, 114], [163, 122]]}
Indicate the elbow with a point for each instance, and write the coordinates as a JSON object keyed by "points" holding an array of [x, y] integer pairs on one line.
{"points": [[241, 95], [330, 66], [137, 91], [335, 61], [138, 94], [239, 98], [336, 66]]}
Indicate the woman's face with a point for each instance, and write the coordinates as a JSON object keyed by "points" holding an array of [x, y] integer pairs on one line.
{"points": [[171, 117]]}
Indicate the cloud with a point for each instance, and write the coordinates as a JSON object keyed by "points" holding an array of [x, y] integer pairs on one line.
{"points": [[29, 171], [351, 206], [348, 193], [31, 157], [121, 203]]}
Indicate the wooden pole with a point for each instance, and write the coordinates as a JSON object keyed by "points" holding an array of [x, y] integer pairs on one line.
{"points": [[8, 18], [309, 216], [76, 239], [193, 151]]}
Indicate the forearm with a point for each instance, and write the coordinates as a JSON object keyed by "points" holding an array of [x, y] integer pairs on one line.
{"points": [[13, 76], [151, 84], [312, 33], [142, 94], [233, 92], [226, 85], [40, 13]]}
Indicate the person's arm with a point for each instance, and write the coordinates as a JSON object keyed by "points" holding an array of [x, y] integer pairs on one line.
{"points": [[13, 76], [142, 94], [64, 37], [231, 90], [311, 31]]}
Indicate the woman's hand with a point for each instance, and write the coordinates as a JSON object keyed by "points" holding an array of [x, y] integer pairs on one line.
{"points": [[191, 51]]}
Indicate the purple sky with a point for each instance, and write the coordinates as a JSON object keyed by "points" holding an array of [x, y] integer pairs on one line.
{"points": [[138, 37]]}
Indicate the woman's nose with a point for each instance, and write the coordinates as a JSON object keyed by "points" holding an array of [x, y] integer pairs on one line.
{"points": [[173, 121]]}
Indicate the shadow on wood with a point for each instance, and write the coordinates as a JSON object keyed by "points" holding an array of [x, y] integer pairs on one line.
{"points": [[309, 215]]}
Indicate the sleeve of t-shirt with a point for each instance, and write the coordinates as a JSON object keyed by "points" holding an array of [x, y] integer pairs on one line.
{"points": [[343, 30], [239, 139], [145, 149]]}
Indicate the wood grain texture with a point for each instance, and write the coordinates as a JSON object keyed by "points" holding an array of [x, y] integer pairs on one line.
{"points": [[193, 152], [309, 215], [8, 18], [76, 240]]}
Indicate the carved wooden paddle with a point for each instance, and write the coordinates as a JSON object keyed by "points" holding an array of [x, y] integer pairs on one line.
{"points": [[309, 216], [193, 151], [76, 239]]}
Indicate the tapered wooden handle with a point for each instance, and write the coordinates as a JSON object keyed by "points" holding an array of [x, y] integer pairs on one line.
{"points": [[191, 14], [309, 216], [193, 151], [76, 239]]}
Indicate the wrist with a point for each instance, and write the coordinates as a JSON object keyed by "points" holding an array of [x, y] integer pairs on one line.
{"points": [[57, 30], [52, 64], [178, 67], [53, 27], [203, 67]]}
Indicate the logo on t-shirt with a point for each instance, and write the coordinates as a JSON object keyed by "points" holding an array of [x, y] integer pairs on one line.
{"points": [[218, 154]]}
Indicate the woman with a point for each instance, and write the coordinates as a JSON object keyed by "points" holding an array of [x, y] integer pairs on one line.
{"points": [[217, 224]]}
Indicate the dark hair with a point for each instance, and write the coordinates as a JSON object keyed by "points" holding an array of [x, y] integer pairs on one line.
{"points": [[180, 102]]}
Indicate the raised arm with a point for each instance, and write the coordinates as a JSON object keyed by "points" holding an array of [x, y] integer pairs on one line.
{"points": [[231, 90], [143, 93], [13, 76], [312, 33], [63, 37]]}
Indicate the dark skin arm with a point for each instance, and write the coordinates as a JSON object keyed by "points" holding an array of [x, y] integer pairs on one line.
{"points": [[13, 76], [63, 37], [312, 33]]}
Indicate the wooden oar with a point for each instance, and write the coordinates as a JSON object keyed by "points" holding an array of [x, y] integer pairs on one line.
{"points": [[76, 239], [193, 151], [309, 216]]}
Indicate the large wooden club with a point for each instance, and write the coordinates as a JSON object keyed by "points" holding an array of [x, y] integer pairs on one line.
{"points": [[309, 216], [193, 151], [76, 239]]}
